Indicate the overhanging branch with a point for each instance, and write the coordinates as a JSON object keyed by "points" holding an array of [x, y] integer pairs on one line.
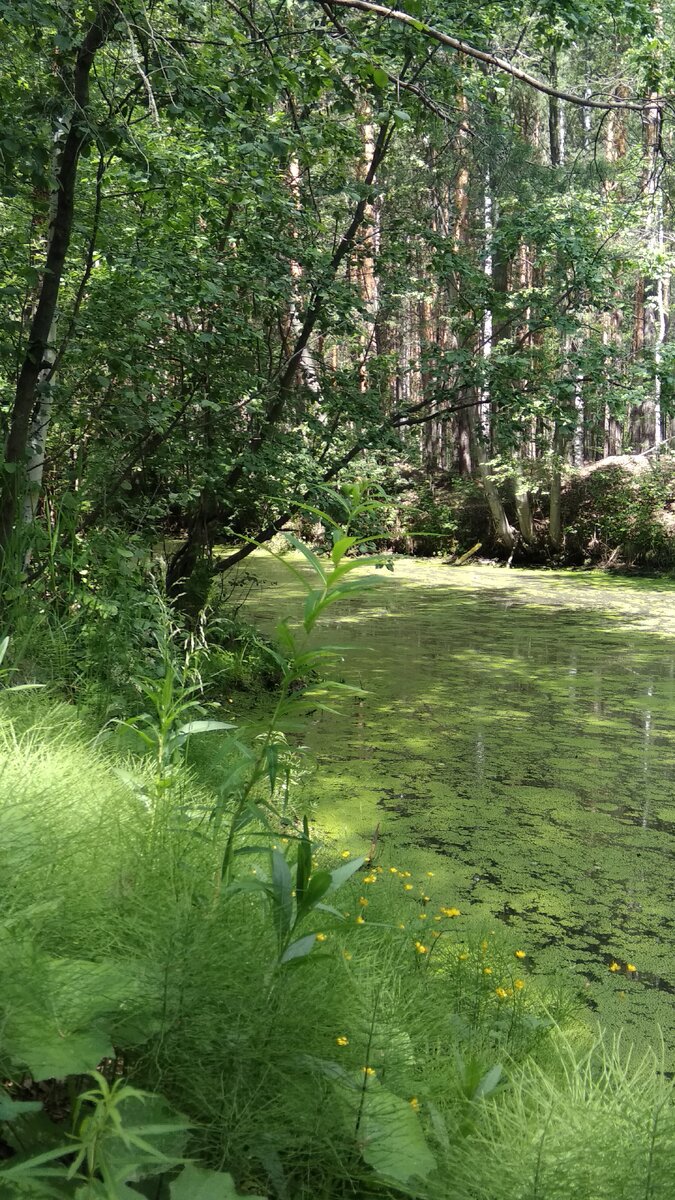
{"points": [[484, 56]]}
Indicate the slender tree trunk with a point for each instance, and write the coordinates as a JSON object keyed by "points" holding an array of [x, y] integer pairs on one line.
{"points": [[555, 502], [36, 359], [650, 317]]}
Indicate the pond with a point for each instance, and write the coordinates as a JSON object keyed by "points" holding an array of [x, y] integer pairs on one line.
{"points": [[518, 740]]}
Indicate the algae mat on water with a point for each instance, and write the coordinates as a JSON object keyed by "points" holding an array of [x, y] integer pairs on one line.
{"points": [[519, 741]]}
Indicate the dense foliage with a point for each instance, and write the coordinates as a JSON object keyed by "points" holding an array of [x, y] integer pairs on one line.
{"points": [[244, 248], [252, 255]]}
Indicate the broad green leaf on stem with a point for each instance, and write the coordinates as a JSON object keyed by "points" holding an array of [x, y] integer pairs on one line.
{"points": [[341, 547], [341, 874], [319, 883], [489, 1083], [204, 727], [299, 949], [52, 1054], [308, 554], [57, 1014], [314, 603], [198, 1183], [391, 1139], [333, 911], [282, 901], [304, 864], [11, 1109]]}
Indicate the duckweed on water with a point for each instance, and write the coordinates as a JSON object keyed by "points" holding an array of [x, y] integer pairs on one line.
{"points": [[519, 742]]}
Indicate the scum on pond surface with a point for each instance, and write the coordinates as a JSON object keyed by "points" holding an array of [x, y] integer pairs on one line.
{"points": [[519, 740]]}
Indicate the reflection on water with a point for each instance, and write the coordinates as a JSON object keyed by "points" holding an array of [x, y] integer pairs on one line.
{"points": [[521, 732]]}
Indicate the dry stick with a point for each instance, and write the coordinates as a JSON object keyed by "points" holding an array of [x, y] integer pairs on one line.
{"points": [[484, 56]]}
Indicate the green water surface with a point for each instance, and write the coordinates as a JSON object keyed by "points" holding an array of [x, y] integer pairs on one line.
{"points": [[519, 741]]}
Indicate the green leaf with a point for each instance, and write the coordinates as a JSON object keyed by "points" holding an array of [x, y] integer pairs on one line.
{"points": [[391, 1139], [488, 1083], [198, 1183], [204, 727], [319, 883], [308, 554], [341, 874], [299, 949], [152, 1138], [341, 547], [381, 78], [11, 1109], [282, 902], [304, 863]]}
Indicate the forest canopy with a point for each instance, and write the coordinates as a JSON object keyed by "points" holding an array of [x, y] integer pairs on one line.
{"points": [[249, 249]]}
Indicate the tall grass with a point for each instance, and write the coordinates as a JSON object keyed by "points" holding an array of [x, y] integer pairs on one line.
{"points": [[254, 1058]]}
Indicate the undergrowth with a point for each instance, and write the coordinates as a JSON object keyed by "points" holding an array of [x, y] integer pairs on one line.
{"points": [[199, 1000]]}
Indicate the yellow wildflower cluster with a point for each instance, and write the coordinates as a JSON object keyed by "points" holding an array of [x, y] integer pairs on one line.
{"points": [[451, 912], [342, 1041], [420, 948]]}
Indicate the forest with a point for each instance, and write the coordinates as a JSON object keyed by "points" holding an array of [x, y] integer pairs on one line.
{"points": [[337, 558]]}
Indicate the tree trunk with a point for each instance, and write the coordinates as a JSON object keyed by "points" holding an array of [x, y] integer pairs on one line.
{"points": [[36, 359], [555, 507]]}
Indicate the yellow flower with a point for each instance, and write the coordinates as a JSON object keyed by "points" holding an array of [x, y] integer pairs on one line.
{"points": [[423, 916], [368, 1070], [342, 1041], [520, 954], [370, 878], [614, 966], [426, 899], [394, 870], [321, 937], [414, 1104], [405, 874], [401, 926], [518, 984], [452, 912], [420, 948], [346, 853], [360, 921], [346, 954], [463, 957], [487, 970], [379, 870], [631, 967], [501, 992], [437, 917], [408, 887], [363, 902], [430, 874]]}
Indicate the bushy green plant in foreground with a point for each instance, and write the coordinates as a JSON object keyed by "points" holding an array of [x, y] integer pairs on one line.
{"points": [[193, 991]]}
